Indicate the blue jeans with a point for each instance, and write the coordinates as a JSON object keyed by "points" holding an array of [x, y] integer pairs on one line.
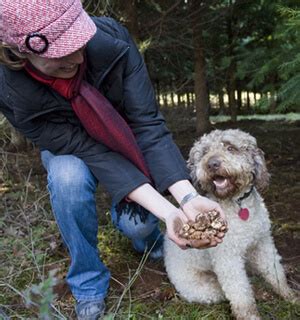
{"points": [[72, 189]]}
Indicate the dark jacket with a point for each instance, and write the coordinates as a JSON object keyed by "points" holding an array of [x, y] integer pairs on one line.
{"points": [[117, 69]]}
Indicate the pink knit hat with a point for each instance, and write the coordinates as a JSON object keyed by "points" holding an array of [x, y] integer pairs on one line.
{"points": [[49, 28]]}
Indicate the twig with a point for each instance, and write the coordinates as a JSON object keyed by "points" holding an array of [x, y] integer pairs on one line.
{"points": [[290, 258], [133, 279], [14, 289], [161, 273], [13, 153], [28, 269], [118, 282], [163, 14], [26, 188]]}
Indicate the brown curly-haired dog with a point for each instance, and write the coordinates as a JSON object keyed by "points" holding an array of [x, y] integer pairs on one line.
{"points": [[230, 168]]}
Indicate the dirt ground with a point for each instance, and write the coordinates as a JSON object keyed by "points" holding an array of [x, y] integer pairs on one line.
{"points": [[279, 141]]}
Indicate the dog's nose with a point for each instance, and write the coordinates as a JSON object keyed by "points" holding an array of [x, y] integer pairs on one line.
{"points": [[213, 163]]}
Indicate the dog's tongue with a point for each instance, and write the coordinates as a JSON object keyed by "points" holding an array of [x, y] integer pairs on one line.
{"points": [[220, 182]]}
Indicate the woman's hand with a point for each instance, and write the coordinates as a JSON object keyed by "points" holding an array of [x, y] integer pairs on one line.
{"points": [[174, 218], [174, 222], [202, 204]]}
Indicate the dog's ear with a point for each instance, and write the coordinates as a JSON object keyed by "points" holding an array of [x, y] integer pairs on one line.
{"points": [[194, 157], [262, 176], [193, 163]]}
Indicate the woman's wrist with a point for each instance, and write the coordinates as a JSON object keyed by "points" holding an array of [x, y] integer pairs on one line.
{"points": [[183, 192], [187, 198], [150, 199]]}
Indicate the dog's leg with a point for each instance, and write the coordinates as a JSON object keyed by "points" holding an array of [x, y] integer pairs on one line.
{"points": [[265, 259], [233, 279], [199, 286], [188, 273]]}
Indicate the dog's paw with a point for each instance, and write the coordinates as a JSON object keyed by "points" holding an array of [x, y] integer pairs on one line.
{"points": [[248, 316], [246, 312]]}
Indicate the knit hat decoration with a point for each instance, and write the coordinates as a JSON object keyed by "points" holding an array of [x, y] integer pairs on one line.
{"points": [[49, 28]]}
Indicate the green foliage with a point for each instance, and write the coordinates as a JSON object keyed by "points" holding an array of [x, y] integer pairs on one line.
{"points": [[289, 94], [289, 117], [258, 42], [30, 246], [42, 296]]}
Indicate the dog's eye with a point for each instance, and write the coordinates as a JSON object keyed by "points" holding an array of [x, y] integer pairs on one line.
{"points": [[204, 151], [231, 148]]}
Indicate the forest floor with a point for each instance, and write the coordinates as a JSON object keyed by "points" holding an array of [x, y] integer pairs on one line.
{"points": [[31, 246]]}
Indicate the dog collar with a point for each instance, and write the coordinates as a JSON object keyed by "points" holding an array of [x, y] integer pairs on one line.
{"points": [[244, 212]]}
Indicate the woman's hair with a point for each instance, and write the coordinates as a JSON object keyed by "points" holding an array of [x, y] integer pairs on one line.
{"points": [[10, 57]]}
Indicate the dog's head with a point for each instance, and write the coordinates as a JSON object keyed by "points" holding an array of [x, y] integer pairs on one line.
{"points": [[227, 162]]}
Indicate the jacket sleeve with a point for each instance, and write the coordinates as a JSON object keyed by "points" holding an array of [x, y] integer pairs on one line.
{"points": [[118, 175], [163, 157]]}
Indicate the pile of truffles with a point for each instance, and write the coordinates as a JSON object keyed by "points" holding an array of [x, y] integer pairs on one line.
{"points": [[206, 226]]}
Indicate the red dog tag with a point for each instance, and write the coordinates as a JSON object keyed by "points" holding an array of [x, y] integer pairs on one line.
{"points": [[244, 214]]}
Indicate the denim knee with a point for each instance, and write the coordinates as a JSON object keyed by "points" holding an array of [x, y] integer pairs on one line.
{"points": [[70, 178], [72, 193]]}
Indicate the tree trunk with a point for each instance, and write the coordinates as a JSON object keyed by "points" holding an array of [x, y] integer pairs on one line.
{"points": [[165, 100], [172, 99], [273, 102], [200, 86], [231, 95], [178, 100], [222, 110], [188, 100], [157, 87], [239, 99], [248, 103], [231, 85]]}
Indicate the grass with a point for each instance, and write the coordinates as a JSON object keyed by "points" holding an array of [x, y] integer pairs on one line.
{"points": [[31, 250], [264, 117]]}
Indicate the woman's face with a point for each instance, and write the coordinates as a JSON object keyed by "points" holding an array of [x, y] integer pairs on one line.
{"points": [[65, 67]]}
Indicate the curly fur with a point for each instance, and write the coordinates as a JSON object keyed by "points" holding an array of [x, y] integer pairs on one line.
{"points": [[226, 165]]}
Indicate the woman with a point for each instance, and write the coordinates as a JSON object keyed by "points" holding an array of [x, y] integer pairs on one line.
{"points": [[78, 88]]}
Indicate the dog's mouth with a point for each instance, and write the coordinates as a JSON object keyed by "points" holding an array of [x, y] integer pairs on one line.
{"points": [[220, 182], [223, 186]]}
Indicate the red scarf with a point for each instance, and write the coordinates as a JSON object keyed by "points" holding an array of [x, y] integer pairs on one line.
{"points": [[100, 119]]}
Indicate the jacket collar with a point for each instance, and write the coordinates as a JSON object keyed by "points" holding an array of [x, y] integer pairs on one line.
{"points": [[102, 52]]}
